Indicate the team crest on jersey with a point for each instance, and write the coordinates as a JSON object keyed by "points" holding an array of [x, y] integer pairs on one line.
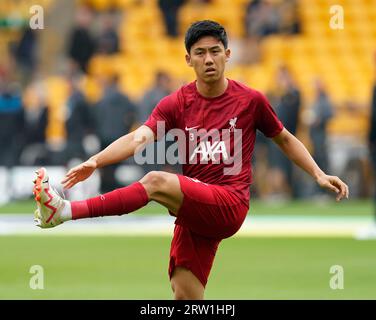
{"points": [[232, 124]]}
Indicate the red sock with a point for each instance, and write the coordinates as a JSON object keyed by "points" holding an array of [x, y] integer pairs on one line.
{"points": [[117, 202]]}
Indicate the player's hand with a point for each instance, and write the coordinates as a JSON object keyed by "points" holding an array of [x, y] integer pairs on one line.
{"points": [[79, 173], [334, 184]]}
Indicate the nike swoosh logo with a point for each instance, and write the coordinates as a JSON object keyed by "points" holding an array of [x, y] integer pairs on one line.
{"points": [[191, 128]]}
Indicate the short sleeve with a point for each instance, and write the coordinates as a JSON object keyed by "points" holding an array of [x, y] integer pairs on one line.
{"points": [[266, 119], [163, 117]]}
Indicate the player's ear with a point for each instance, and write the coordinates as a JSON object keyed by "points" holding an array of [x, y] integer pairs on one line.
{"points": [[188, 59], [228, 54]]}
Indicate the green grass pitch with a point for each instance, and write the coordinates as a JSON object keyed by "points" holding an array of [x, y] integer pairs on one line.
{"points": [[125, 267], [136, 268]]}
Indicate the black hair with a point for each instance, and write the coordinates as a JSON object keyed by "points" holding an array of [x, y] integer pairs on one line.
{"points": [[204, 28]]}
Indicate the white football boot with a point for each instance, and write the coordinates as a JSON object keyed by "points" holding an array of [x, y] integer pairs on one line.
{"points": [[49, 203]]}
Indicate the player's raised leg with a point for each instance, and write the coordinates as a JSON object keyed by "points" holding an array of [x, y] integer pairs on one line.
{"points": [[52, 210]]}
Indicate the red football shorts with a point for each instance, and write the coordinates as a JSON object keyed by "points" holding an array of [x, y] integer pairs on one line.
{"points": [[209, 213]]}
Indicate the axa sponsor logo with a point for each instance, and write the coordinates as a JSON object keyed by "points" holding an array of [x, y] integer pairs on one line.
{"points": [[208, 150]]}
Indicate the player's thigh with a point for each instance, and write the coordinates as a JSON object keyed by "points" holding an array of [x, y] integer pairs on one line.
{"points": [[164, 188], [209, 210], [185, 285]]}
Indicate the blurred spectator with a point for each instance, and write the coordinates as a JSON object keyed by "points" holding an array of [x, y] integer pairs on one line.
{"points": [[81, 45], [114, 116], [35, 124], [24, 53], [162, 87], [264, 17], [170, 10], [322, 112], [11, 120], [289, 21], [78, 121], [108, 39], [287, 102], [261, 19]]}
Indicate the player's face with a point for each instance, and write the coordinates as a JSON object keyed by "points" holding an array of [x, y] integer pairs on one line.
{"points": [[208, 58]]}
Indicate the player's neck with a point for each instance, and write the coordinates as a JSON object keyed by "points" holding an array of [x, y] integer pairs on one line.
{"points": [[212, 90]]}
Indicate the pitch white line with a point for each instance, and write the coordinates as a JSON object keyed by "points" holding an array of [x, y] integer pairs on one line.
{"points": [[254, 226]]}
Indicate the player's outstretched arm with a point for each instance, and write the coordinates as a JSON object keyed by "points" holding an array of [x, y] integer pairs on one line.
{"points": [[121, 149], [298, 153]]}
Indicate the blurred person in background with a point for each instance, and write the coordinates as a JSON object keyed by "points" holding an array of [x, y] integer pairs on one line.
{"points": [[35, 124], [11, 120], [81, 44], [114, 116], [161, 88], [78, 121], [288, 17], [322, 112], [264, 18], [24, 53], [108, 39], [287, 101], [170, 9], [261, 19]]}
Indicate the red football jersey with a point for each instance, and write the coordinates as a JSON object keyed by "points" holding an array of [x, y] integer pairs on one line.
{"points": [[219, 133]]}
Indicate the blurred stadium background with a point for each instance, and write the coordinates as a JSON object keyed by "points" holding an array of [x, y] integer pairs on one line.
{"points": [[98, 68]]}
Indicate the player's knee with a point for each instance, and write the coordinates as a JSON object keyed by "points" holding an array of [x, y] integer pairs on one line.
{"points": [[153, 181], [186, 286], [181, 292], [182, 295]]}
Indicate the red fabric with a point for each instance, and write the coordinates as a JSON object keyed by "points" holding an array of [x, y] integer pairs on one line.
{"points": [[186, 108], [193, 252], [208, 214], [80, 210], [117, 202]]}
